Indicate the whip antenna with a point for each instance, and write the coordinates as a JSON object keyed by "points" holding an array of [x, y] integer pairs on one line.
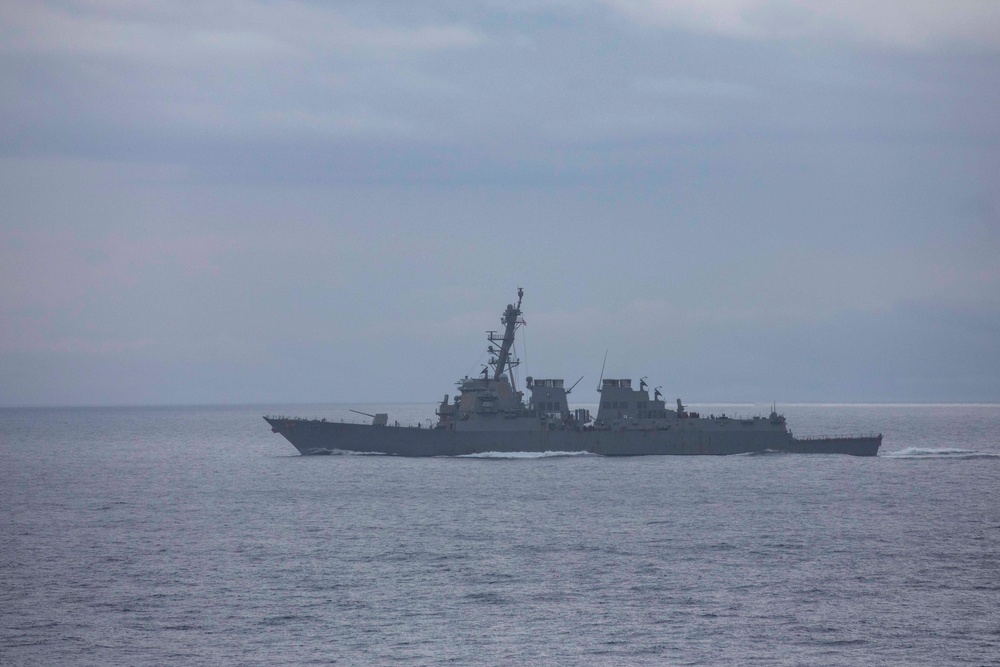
{"points": [[602, 371]]}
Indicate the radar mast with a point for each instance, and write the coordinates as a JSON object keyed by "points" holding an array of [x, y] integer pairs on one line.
{"points": [[511, 318]]}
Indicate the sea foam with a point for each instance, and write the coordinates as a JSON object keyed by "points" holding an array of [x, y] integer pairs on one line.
{"points": [[521, 455], [938, 453]]}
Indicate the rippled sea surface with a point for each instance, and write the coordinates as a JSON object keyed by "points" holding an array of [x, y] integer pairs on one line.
{"points": [[177, 536]]}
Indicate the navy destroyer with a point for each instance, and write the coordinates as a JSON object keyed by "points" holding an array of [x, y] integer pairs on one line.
{"points": [[491, 415]]}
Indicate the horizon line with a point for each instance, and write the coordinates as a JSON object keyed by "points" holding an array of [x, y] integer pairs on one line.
{"points": [[251, 404]]}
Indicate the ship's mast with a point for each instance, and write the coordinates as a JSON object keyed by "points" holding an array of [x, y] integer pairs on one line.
{"points": [[510, 319]]}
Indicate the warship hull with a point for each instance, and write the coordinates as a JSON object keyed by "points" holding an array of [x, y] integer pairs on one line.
{"points": [[311, 437]]}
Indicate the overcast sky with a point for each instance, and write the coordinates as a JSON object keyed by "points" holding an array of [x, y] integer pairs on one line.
{"points": [[744, 200]]}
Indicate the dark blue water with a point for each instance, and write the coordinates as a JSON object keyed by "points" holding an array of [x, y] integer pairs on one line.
{"points": [[177, 536]]}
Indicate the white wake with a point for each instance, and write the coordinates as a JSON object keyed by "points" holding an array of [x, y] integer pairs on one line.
{"points": [[938, 453], [521, 455]]}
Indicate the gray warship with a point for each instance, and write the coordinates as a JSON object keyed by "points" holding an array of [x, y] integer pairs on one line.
{"points": [[491, 415]]}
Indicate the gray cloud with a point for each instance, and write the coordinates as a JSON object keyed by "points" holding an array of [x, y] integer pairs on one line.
{"points": [[908, 24], [293, 201]]}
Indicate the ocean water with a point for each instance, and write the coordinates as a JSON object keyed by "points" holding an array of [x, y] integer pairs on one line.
{"points": [[193, 535]]}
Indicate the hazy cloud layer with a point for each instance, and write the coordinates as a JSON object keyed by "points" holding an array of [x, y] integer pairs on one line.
{"points": [[287, 201], [907, 24]]}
